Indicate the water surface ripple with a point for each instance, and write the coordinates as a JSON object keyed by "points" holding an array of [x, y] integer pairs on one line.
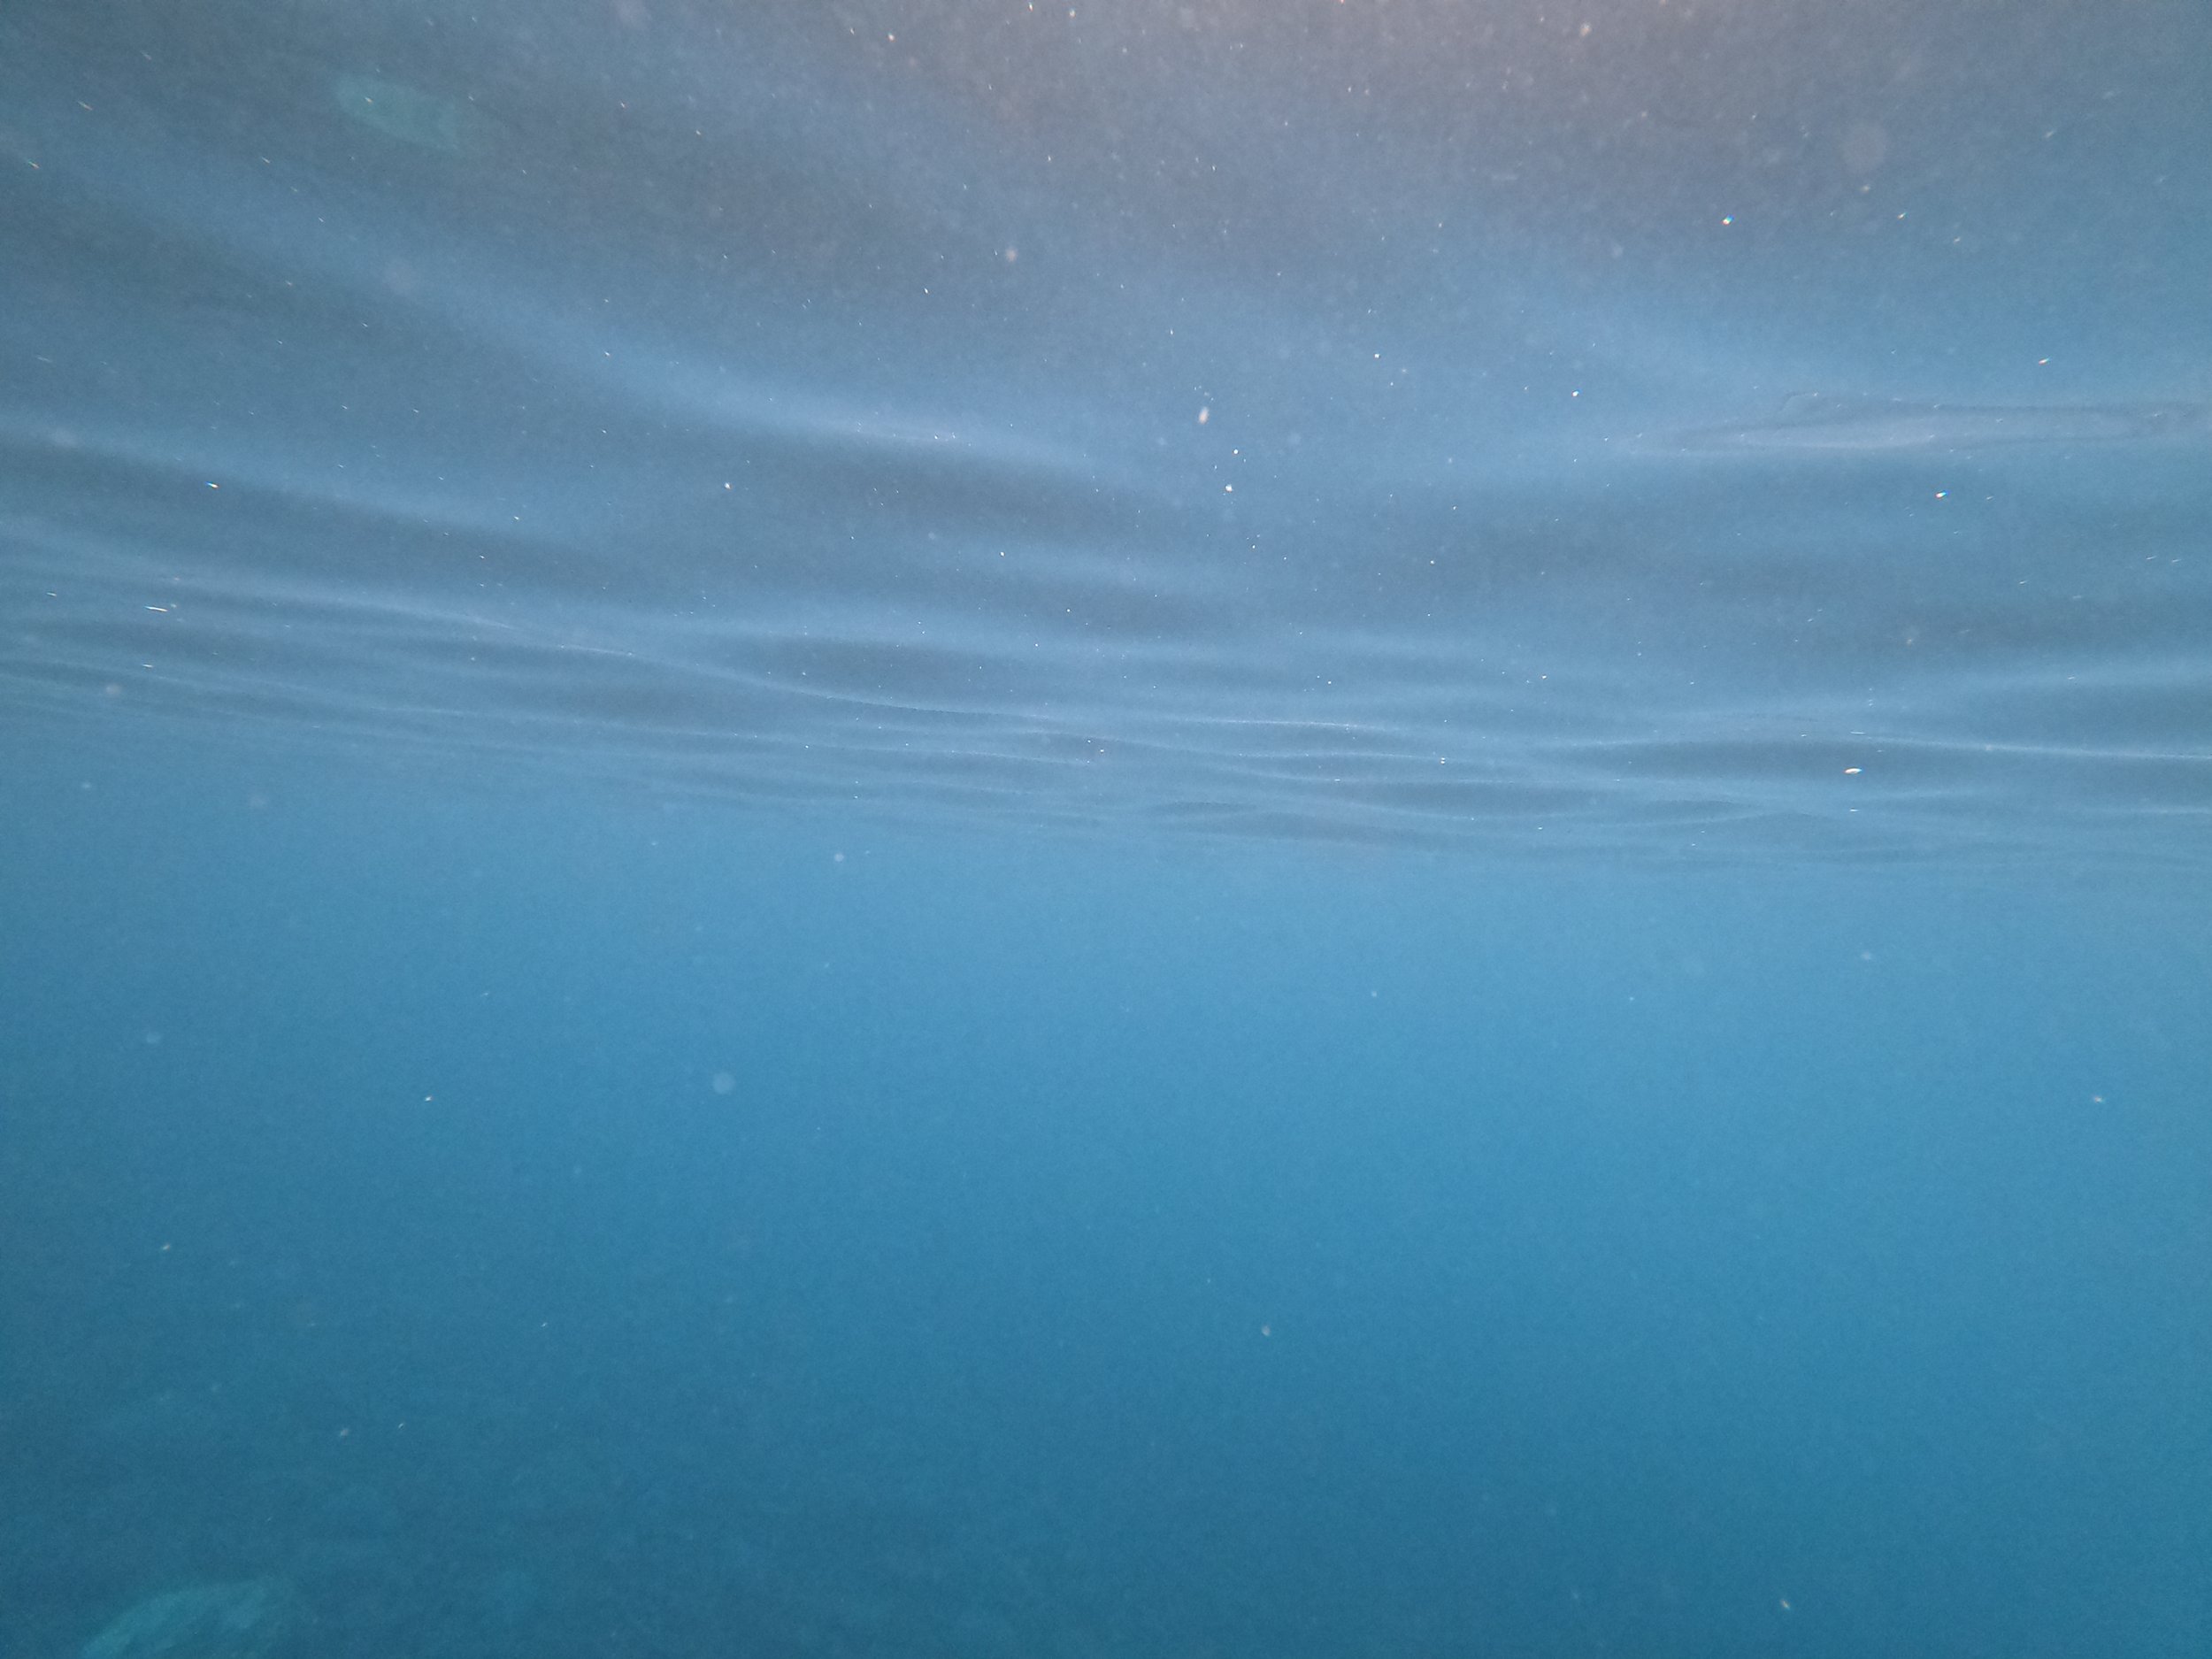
{"points": [[1684, 434]]}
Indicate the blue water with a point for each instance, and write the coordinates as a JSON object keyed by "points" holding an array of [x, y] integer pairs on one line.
{"points": [[1142, 831]]}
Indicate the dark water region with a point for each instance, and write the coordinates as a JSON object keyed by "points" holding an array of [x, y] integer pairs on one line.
{"points": [[554, 1227], [1157, 831]]}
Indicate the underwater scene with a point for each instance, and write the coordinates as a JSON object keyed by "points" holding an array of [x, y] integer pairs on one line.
{"points": [[1154, 829]]}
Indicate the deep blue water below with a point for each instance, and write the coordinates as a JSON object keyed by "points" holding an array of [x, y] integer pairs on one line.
{"points": [[1328, 830]]}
